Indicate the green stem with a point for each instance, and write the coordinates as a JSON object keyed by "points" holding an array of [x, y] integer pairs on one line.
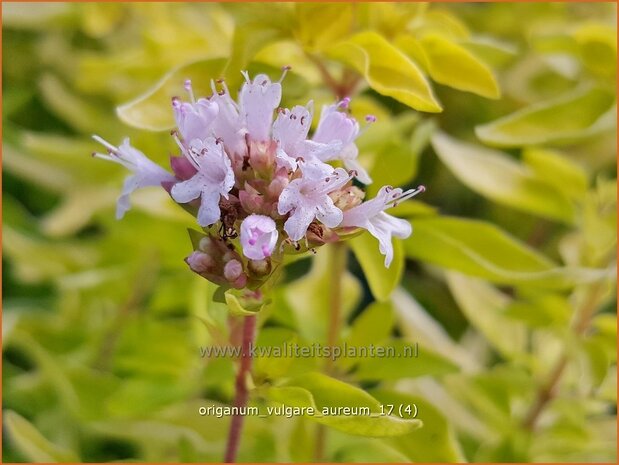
{"points": [[338, 255], [548, 390]]}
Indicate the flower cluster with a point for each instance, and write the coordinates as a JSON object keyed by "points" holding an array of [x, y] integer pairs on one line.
{"points": [[258, 185]]}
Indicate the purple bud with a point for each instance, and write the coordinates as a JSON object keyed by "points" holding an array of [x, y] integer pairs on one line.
{"points": [[232, 270], [199, 262], [182, 168]]}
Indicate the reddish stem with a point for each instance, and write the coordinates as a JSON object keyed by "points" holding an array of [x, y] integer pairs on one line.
{"points": [[242, 394]]}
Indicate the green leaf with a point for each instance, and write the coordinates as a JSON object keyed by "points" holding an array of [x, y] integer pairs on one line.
{"points": [[397, 153], [481, 249], [567, 176], [453, 65], [541, 311], [248, 40], [434, 442], [570, 118], [597, 47], [401, 360], [76, 111], [242, 305], [495, 175], [372, 326], [320, 391], [309, 297], [365, 451], [389, 17], [153, 110], [387, 70], [319, 25], [271, 365], [31, 442], [595, 360], [493, 51], [412, 208], [484, 308], [382, 280]]}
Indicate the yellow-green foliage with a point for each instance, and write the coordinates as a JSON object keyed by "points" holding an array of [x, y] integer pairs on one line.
{"points": [[506, 112]]}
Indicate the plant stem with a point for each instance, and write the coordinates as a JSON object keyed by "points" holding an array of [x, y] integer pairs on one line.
{"points": [[548, 390], [327, 78], [338, 255], [338, 267], [242, 394], [144, 282]]}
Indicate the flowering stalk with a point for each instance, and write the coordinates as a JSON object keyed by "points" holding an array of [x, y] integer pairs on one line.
{"points": [[261, 187], [241, 392], [338, 254]]}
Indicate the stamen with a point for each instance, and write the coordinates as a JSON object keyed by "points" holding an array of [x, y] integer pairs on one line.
{"points": [[285, 70], [105, 143], [406, 195], [265, 251], [344, 103], [225, 86], [370, 118], [176, 102], [104, 156], [189, 90], [246, 76], [184, 150]]}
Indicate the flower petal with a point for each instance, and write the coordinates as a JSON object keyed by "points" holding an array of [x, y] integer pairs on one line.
{"points": [[291, 128], [123, 203], [290, 197], [328, 213], [310, 150], [209, 212], [296, 225], [186, 191], [194, 120], [383, 227], [258, 101], [352, 164]]}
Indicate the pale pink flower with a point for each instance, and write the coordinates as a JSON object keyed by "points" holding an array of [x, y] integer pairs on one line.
{"points": [[258, 236], [307, 198], [229, 126], [258, 100], [371, 216], [194, 119], [290, 131], [214, 178], [145, 171], [336, 125]]}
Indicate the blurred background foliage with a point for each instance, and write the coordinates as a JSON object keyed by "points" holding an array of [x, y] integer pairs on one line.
{"points": [[507, 282]]}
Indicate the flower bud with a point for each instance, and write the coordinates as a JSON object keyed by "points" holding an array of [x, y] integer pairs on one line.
{"points": [[232, 270], [347, 198], [240, 282], [279, 182], [182, 167], [262, 156], [251, 200], [205, 244], [200, 262], [259, 268]]}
